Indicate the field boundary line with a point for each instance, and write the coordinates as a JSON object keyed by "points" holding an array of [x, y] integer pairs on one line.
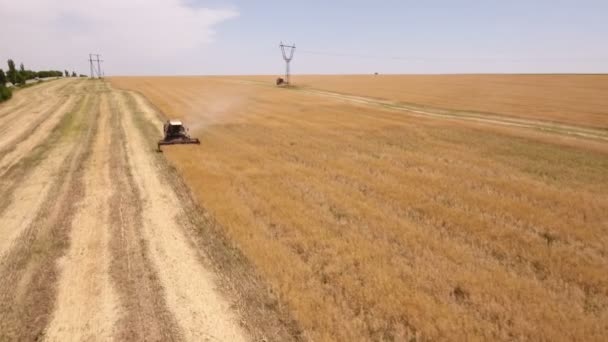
{"points": [[437, 113]]}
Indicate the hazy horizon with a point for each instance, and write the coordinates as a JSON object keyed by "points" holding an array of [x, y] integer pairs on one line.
{"points": [[360, 74], [238, 37]]}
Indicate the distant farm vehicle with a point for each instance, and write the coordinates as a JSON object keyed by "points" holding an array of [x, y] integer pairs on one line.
{"points": [[176, 133]]}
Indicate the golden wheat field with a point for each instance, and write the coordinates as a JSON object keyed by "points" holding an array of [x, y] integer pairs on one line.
{"points": [[373, 224], [575, 99]]}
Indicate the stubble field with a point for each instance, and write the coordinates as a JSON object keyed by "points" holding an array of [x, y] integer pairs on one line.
{"points": [[373, 222]]}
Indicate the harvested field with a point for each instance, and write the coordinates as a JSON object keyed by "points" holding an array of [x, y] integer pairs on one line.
{"points": [[99, 238], [371, 223]]}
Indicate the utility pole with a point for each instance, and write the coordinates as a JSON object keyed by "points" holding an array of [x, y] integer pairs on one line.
{"points": [[92, 65], [99, 72], [287, 51], [98, 67]]}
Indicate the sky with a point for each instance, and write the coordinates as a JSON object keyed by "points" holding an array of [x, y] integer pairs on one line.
{"points": [[234, 37]]}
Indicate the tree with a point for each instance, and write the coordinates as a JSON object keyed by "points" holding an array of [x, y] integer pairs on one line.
{"points": [[20, 79], [5, 93], [2, 78], [12, 72], [74, 74], [26, 74]]}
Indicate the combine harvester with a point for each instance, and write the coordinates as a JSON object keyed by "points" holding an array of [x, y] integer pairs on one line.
{"points": [[176, 133]]}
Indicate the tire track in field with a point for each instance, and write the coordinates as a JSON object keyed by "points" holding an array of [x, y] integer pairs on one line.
{"points": [[25, 185], [24, 101], [144, 312], [190, 288], [9, 140], [16, 122], [21, 100], [38, 131], [93, 237], [87, 303], [28, 271]]}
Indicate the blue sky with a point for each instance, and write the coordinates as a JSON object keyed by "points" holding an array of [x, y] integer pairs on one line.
{"points": [[241, 37], [417, 36]]}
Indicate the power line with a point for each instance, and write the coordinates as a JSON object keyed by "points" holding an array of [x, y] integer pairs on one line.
{"points": [[474, 58], [357, 55], [94, 59], [288, 51]]}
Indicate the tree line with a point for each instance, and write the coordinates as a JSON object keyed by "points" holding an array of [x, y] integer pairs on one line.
{"points": [[5, 93], [19, 77]]}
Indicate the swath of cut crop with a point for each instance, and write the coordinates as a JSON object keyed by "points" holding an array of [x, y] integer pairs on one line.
{"points": [[29, 270]]}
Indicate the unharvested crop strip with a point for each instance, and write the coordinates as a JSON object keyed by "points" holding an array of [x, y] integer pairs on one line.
{"points": [[481, 118], [485, 118]]}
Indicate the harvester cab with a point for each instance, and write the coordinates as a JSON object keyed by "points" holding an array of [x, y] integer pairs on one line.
{"points": [[176, 133]]}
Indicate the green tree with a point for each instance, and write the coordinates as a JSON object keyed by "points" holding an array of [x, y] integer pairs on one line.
{"points": [[67, 74], [12, 72], [20, 79], [26, 74], [5, 93], [74, 74], [2, 78]]}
